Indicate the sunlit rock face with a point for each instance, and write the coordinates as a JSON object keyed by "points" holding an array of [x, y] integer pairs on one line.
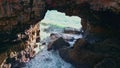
{"points": [[19, 23]]}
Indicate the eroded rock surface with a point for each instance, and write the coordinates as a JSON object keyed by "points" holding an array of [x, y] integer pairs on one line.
{"points": [[17, 16], [105, 13], [19, 24], [103, 26], [101, 32]]}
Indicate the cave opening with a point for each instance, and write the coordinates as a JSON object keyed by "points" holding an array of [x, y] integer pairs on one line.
{"points": [[55, 24], [58, 22], [99, 46]]}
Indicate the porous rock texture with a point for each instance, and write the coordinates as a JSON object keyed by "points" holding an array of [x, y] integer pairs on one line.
{"points": [[99, 47], [19, 24]]}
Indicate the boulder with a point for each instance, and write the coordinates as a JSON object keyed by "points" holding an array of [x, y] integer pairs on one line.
{"points": [[58, 44], [96, 55]]}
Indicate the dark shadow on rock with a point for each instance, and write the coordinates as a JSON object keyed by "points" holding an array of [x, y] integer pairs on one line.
{"points": [[58, 44], [66, 56]]}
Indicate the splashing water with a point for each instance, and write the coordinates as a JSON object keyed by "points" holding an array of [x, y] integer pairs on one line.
{"points": [[48, 59], [53, 22]]}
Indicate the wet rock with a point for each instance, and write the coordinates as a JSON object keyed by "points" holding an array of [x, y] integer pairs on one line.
{"points": [[64, 54], [57, 44], [71, 30], [95, 55], [78, 56]]}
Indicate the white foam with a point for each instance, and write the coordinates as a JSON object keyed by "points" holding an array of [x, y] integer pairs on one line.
{"points": [[48, 59]]}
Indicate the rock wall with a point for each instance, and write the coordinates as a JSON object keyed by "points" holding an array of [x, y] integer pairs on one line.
{"points": [[103, 12], [99, 47], [19, 24], [19, 16]]}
